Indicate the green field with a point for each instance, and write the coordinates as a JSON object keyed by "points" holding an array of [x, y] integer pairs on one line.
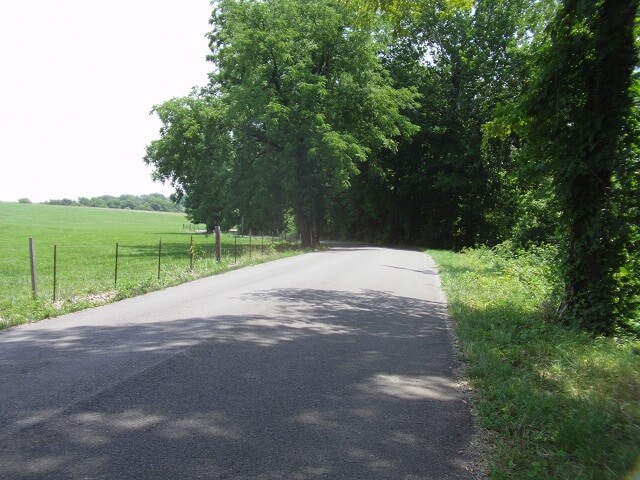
{"points": [[85, 241]]}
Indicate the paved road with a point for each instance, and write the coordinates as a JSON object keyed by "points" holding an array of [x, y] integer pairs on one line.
{"points": [[330, 365]]}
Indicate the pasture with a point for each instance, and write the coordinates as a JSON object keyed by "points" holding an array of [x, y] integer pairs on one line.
{"points": [[85, 240]]}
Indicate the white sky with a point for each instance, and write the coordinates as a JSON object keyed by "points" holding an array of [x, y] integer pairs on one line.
{"points": [[77, 81]]}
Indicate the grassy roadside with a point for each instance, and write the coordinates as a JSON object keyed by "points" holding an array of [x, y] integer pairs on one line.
{"points": [[85, 240], [16, 311], [555, 403]]}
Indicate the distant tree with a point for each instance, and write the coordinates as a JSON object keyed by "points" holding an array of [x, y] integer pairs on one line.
{"points": [[98, 202], [113, 202], [64, 201], [24, 200], [155, 202]]}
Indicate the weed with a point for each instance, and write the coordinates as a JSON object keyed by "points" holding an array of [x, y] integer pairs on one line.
{"points": [[556, 403]]}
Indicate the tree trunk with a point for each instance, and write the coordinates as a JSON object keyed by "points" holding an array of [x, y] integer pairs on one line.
{"points": [[306, 228], [591, 260], [307, 196]]}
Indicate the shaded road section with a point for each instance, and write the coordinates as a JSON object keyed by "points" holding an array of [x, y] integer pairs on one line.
{"points": [[330, 365]]}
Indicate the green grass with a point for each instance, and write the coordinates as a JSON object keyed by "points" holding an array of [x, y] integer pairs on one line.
{"points": [[555, 403], [86, 243]]}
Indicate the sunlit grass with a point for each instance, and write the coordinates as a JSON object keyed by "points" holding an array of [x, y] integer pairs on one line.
{"points": [[556, 403], [85, 242]]}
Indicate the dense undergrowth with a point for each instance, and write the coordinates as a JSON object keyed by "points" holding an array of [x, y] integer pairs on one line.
{"points": [[555, 403]]}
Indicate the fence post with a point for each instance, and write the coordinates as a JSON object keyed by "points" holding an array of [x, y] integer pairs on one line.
{"points": [[262, 246], [159, 257], [55, 270], [115, 281], [218, 244], [191, 254], [250, 246], [34, 274], [235, 248]]}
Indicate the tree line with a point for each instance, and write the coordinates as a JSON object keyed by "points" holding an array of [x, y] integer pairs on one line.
{"points": [[444, 123], [155, 202]]}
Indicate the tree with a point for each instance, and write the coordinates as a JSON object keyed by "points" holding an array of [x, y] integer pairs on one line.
{"points": [[307, 100], [449, 186], [567, 131], [579, 113], [195, 155]]}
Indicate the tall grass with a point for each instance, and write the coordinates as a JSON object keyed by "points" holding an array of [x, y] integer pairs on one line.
{"points": [[85, 240], [555, 403]]}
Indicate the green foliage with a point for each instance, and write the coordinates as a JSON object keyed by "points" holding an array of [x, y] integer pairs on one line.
{"points": [[194, 154], [155, 202], [555, 403], [298, 101], [398, 11], [626, 201], [579, 110], [523, 131], [449, 186], [308, 100]]}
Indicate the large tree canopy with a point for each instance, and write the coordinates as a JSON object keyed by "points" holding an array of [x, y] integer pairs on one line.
{"points": [[307, 100], [301, 96], [558, 158], [449, 186], [195, 154], [447, 123]]}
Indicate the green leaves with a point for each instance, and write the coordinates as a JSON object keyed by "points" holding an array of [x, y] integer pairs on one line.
{"points": [[307, 90], [298, 101], [194, 154], [424, 121], [579, 112]]}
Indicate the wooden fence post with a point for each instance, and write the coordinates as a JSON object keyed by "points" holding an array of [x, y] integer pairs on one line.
{"points": [[191, 254], [218, 244]]}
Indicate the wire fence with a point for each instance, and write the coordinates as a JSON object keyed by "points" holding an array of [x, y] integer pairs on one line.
{"points": [[86, 269]]}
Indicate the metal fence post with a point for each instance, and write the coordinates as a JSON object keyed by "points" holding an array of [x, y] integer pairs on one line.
{"points": [[34, 273], [159, 257], [115, 281], [55, 270]]}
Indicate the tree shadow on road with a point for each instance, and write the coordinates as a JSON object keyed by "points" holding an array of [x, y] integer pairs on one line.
{"points": [[328, 385]]}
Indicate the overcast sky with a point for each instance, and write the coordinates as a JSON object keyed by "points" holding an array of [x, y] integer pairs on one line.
{"points": [[77, 81]]}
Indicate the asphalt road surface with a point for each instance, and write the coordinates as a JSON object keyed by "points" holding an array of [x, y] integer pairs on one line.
{"points": [[329, 365]]}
